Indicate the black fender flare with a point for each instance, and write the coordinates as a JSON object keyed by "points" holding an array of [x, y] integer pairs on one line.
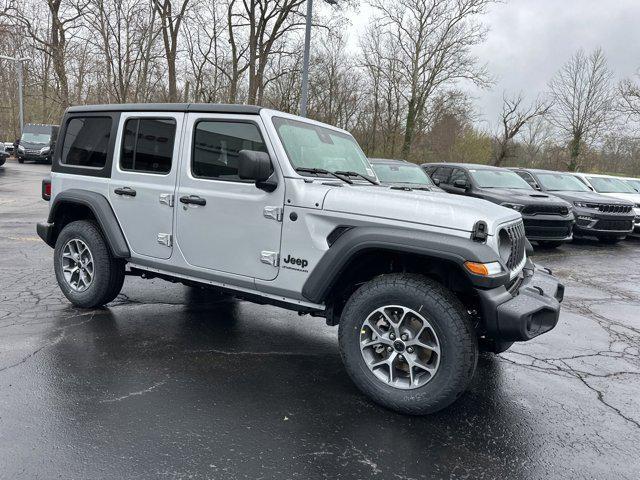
{"points": [[102, 211], [429, 244]]}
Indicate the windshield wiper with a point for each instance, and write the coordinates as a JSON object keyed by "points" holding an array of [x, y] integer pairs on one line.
{"points": [[322, 171], [356, 174]]}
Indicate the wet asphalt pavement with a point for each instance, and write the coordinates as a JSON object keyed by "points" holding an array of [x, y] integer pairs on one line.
{"points": [[168, 383]]}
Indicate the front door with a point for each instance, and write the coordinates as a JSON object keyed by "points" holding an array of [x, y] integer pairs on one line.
{"points": [[224, 223], [143, 180]]}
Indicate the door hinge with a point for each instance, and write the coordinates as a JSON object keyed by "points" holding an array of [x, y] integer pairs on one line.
{"points": [[165, 239], [274, 213], [270, 258], [166, 199]]}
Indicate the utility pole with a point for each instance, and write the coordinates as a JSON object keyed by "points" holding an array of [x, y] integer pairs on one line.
{"points": [[304, 97], [19, 64]]}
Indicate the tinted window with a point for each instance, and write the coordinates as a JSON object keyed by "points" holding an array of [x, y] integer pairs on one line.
{"points": [[147, 145], [527, 177], [442, 174], [216, 147], [86, 141], [458, 174]]}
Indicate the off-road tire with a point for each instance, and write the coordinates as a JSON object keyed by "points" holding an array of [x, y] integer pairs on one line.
{"points": [[451, 322], [20, 160], [109, 272], [491, 346]]}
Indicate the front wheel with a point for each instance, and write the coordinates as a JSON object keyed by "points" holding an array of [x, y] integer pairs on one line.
{"points": [[408, 343]]}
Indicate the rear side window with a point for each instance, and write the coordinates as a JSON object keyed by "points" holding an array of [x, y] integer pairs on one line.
{"points": [[86, 142], [441, 174], [147, 145], [216, 146], [458, 174]]}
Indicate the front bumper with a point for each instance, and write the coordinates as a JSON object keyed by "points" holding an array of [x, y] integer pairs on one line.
{"points": [[34, 156], [549, 227], [528, 310], [598, 224]]}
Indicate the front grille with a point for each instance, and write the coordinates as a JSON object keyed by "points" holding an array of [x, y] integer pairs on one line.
{"points": [[610, 207], [614, 225], [517, 236], [545, 210], [552, 229]]}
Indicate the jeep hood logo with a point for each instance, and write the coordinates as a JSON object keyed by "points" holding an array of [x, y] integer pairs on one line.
{"points": [[295, 263]]}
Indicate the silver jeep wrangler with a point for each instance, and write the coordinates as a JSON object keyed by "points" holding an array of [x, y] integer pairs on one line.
{"points": [[277, 209]]}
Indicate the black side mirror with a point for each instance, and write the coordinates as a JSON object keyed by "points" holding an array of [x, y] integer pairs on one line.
{"points": [[436, 181], [256, 166], [460, 183]]}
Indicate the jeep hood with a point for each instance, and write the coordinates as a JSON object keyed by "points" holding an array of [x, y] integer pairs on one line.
{"points": [[519, 195], [590, 197], [631, 197], [419, 207]]}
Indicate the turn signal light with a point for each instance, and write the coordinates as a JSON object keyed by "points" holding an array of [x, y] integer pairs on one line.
{"points": [[484, 269]]}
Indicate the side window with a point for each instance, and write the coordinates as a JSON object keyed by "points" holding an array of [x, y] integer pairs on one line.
{"points": [[527, 177], [458, 174], [147, 145], [442, 174], [216, 146], [86, 142]]}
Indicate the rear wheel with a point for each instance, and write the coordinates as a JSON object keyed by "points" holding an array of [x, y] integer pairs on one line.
{"points": [[87, 273], [408, 343], [20, 160]]}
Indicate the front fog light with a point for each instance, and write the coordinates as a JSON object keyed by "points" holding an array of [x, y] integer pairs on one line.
{"points": [[484, 269]]}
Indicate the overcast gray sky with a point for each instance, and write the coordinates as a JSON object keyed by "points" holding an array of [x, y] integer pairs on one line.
{"points": [[529, 40]]}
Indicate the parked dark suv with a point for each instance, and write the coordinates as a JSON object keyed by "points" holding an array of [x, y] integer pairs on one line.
{"points": [[37, 143], [548, 220], [597, 215]]}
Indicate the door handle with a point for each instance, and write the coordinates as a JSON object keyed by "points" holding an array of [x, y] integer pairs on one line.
{"points": [[193, 200], [128, 191]]}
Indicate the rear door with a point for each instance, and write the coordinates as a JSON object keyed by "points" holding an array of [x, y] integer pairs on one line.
{"points": [[227, 224], [143, 180]]}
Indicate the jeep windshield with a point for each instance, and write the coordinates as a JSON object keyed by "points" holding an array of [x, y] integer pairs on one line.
{"points": [[402, 173], [312, 147], [486, 178], [610, 185], [561, 182]]}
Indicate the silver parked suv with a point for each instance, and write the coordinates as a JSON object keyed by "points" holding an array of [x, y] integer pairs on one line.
{"points": [[281, 210]]}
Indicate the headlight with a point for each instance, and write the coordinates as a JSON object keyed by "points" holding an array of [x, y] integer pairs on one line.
{"points": [[582, 205], [515, 206], [45, 150], [20, 148]]}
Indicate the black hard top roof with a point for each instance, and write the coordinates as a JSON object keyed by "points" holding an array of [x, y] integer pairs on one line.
{"points": [[168, 107]]}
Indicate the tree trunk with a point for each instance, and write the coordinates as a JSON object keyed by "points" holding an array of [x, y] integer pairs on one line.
{"points": [[409, 129], [574, 153]]}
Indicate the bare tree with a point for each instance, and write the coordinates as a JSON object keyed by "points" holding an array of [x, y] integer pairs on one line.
{"points": [[630, 98], [170, 24], [434, 38], [514, 116], [583, 101]]}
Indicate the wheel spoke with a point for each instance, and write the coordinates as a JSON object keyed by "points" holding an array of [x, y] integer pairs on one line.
{"points": [[77, 264]]}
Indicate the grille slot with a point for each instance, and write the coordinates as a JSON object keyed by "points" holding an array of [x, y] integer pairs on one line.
{"points": [[615, 225], [546, 210], [610, 207], [517, 236]]}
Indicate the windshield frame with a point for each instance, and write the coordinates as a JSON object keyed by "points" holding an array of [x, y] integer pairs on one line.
{"points": [[277, 120], [471, 171], [591, 178], [540, 175]]}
